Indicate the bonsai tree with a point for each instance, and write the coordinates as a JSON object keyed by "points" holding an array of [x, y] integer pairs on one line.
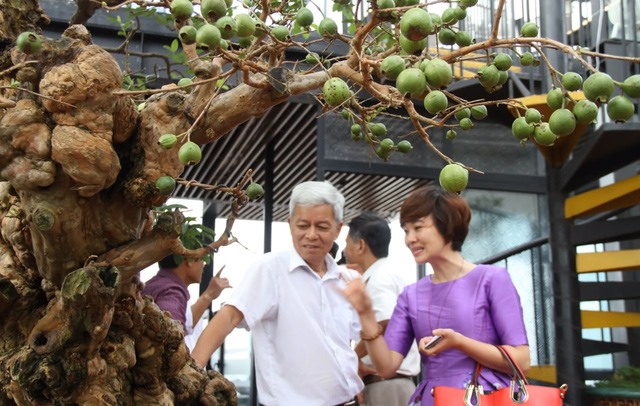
{"points": [[85, 163]]}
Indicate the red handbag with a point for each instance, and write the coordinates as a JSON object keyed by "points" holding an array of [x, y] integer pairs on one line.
{"points": [[519, 392]]}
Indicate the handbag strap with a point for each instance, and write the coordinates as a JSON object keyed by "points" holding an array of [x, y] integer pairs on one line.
{"points": [[515, 368]]}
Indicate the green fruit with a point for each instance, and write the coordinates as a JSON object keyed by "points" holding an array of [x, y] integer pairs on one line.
{"points": [[572, 81], [208, 37], [245, 25], [335, 92], [533, 115], [382, 153], [479, 112], [387, 144], [356, 137], [526, 59], [598, 87], [468, 3], [187, 34], [466, 124], [356, 129], [29, 42], [562, 122], [620, 109], [438, 73], [451, 135], [383, 5], [227, 27], [631, 86], [167, 141], [463, 39], [254, 191], [447, 36], [412, 47], [404, 146], [281, 33], [449, 16], [529, 30], [378, 129], [555, 98], [212, 10], [521, 129], [345, 114], [416, 24], [459, 13], [454, 178], [488, 76], [224, 45], [184, 82], [585, 111], [327, 27], [464, 113], [189, 153], [312, 58], [436, 20], [543, 135], [181, 10], [244, 42], [435, 102], [392, 66], [503, 61], [165, 185], [411, 82], [304, 17], [504, 75]]}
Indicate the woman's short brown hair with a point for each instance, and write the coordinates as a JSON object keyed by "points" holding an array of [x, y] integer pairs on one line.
{"points": [[451, 213]]}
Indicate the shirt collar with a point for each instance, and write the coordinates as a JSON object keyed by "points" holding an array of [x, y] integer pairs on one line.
{"points": [[296, 261], [374, 268]]}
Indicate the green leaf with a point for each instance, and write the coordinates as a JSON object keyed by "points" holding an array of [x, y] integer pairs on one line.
{"points": [[174, 45]]}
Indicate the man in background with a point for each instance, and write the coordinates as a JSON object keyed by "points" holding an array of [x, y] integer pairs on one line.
{"points": [[366, 250]]}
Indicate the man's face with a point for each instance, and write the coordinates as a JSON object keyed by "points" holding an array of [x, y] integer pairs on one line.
{"points": [[313, 231], [195, 271], [351, 250]]}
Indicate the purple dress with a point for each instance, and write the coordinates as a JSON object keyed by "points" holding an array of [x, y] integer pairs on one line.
{"points": [[483, 305]]}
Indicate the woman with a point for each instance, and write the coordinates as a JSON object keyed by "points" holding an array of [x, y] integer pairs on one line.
{"points": [[472, 307]]}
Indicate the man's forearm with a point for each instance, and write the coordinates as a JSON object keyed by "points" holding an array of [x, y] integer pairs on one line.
{"points": [[225, 320], [200, 305]]}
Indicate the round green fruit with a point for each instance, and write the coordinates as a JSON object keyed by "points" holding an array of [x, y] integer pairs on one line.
{"points": [[451, 135], [533, 116], [327, 27], [244, 42], [356, 129], [585, 111], [631, 86], [454, 178], [620, 109], [459, 13], [479, 112], [227, 27], [165, 185], [529, 30], [464, 113], [411, 82], [384, 5], [404, 146], [416, 24], [468, 3], [304, 17], [185, 82], [312, 58], [435, 102], [449, 16], [526, 59], [29, 42], [463, 39], [387, 144], [167, 141], [572, 81], [212, 10], [187, 34], [466, 124], [598, 87], [208, 37], [555, 98], [438, 73], [392, 66], [436, 20], [281, 33], [181, 10], [378, 129], [504, 76], [543, 135], [562, 122], [245, 25], [503, 61], [488, 76], [345, 114], [335, 92], [447, 36], [521, 129], [382, 153], [412, 47], [254, 191], [190, 153]]}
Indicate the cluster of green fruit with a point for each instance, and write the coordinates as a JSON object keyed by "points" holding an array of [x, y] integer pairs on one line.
{"points": [[598, 89], [189, 154]]}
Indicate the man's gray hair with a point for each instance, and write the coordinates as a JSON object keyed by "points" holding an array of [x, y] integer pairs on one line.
{"points": [[313, 193]]}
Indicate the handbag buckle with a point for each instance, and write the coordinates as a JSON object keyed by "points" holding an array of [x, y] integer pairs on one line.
{"points": [[468, 395], [522, 395]]}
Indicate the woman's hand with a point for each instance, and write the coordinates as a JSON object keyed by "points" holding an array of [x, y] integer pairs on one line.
{"points": [[450, 339], [356, 294]]}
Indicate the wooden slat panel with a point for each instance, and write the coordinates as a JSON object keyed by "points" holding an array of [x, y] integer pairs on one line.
{"points": [[596, 319], [618, 195], [623, 260]]}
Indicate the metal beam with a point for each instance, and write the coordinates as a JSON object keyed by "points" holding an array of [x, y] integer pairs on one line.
{"points": [[594, 347], [609, 290], [605, 231]]}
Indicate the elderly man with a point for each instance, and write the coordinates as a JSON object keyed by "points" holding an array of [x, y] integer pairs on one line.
{"points": [[291, 301]]}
